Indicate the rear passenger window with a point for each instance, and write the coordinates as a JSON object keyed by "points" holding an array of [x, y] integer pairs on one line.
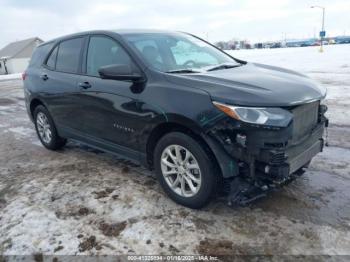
{"points": [[51, 62], [68, 55], [104, 51]]}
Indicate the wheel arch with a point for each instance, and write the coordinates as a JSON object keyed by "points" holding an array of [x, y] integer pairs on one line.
{"points": [[33, 104], [224, 163], [167, 127]]}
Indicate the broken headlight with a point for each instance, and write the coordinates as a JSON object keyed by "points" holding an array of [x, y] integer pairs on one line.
{"points": [[272, 116]]}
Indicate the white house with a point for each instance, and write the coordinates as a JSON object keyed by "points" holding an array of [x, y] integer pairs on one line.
{"points": [[15, 56]]}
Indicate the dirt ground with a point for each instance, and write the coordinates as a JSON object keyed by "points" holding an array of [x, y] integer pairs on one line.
{"points": [[82, 201]]}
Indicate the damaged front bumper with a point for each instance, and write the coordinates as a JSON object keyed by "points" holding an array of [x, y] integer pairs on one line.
{"points": [[273, 169], [265, 158]]}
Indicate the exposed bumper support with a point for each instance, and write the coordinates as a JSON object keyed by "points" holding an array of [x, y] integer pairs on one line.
{"points": [[243, 193]]}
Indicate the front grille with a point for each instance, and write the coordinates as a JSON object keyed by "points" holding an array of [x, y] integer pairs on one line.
{"points": [[305, 119]]}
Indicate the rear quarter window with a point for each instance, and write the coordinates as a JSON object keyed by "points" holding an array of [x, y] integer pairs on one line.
{"points": [[51, 61], [40, 54]]}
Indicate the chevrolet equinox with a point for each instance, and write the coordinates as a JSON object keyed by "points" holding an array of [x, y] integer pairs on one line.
{"points": [[205, 121]]}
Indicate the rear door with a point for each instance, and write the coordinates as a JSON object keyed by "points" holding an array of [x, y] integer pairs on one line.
{"points": [[61, 75], [108, 108]]}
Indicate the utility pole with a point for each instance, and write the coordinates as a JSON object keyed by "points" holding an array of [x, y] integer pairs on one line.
{"points": [[323, 32]]}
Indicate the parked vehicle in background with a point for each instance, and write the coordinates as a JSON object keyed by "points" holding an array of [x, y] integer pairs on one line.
{"points": [[276, 45], [203, 120], [342, 40]]}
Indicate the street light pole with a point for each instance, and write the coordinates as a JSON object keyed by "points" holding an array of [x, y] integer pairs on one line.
{"points": [[323, 13]]}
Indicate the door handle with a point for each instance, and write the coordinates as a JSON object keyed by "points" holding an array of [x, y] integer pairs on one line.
{"points": [[44, 77], [84, 85]]}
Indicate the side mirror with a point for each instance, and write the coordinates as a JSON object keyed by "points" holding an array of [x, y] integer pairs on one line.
{"points": [[119, 72]]}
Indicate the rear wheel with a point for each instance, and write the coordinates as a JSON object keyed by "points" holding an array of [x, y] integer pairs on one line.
{"points": [[185, 170], [46, 130]]}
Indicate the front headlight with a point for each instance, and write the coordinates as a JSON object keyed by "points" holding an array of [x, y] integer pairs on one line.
{"points": [[272, 116]]}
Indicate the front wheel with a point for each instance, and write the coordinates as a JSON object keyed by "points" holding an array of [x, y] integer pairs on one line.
{"points": [[185, 170], [46, 130]]}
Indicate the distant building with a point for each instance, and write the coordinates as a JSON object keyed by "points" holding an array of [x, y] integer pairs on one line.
{"points": [[15, 56]]}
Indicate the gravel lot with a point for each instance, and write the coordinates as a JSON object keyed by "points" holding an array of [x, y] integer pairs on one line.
{"points": [[82, 201]]}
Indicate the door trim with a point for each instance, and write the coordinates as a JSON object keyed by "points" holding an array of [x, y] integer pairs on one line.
{"points": [[101, 144]]}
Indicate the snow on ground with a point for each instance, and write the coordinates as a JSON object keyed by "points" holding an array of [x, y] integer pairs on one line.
{"points": [[10, 77], [82, 201]]}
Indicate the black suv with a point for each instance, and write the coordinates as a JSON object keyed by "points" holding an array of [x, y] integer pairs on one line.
{"points": [[171, 101]]}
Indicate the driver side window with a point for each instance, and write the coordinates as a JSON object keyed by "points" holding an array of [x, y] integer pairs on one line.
{"points": [[103, 51], [184, 52]]}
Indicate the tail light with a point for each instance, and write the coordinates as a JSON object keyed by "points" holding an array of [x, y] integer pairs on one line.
{"points": [[24, 75]]}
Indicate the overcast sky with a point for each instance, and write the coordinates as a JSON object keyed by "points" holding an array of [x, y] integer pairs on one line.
{"points": [[212, 19]]}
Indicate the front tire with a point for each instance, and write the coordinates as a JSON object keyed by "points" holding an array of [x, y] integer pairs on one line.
{"points": [[46, 129], [185, 170]]}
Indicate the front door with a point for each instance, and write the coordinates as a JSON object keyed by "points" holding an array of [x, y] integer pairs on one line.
{"points": [[109, 112]]}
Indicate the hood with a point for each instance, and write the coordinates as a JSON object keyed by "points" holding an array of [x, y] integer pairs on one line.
{"points": [[254, 85]]}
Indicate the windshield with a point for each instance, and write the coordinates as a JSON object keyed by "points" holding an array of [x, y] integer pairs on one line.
{"points": [[177, 52]]}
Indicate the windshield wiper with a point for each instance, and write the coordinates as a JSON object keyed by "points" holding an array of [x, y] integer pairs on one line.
{"points": [[183, 71], [222, 66], [209, 68]]}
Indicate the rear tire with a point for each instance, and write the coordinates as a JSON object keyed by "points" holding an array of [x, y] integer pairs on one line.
{"points": [[185, 170], [46, 129]]}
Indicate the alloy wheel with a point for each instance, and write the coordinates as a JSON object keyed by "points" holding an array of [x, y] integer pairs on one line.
{"points": [[44, 127], [181, 170]]}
